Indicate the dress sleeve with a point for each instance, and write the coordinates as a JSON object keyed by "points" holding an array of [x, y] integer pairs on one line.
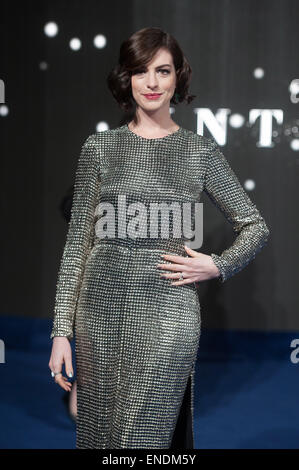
{"points": [[78, 241], [225, 191]]}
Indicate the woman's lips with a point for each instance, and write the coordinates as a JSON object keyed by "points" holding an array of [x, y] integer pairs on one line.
{"points": [[153, 96]]}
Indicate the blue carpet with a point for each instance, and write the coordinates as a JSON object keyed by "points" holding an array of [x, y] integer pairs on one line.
{"points": [[246, 392]]}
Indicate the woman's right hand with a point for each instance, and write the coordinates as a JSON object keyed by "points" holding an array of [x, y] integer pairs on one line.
{"points": [[61, 353]]}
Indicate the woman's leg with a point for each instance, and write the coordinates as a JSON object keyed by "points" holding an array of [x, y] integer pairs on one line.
{"points": [[183, 433]]}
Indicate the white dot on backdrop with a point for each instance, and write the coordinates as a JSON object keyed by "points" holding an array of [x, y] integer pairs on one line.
{"points": [[258, 72], [75, 44], [294, 86], [3, 110], [102, 126], [43, 65], [294, 144], [100, 41], [236, 120], [249, 185], [51, 29]]}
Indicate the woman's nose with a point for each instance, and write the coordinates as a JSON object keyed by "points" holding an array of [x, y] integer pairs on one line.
{"points": [[152, 80]]}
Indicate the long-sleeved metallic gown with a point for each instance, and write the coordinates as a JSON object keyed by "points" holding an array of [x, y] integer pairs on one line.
{"points": [[137, 335]]}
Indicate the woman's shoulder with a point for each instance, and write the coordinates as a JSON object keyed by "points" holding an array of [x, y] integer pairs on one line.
{"points": [[99, 139], [100, 136], [199, 141], [196, 137]]}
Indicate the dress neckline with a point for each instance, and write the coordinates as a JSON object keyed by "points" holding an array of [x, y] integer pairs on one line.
{"points": [[139, 137]]}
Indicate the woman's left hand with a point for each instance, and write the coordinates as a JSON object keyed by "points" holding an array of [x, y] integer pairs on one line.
{"points": [[199, 267]]}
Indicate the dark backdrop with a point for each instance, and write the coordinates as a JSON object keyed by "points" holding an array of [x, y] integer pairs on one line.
{"points": [[52, 111]]}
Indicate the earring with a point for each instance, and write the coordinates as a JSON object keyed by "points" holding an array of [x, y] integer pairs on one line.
{"points": [[177, 96]]}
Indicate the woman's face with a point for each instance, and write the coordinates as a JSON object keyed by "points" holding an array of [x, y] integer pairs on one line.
{"points": [[158, 77]]}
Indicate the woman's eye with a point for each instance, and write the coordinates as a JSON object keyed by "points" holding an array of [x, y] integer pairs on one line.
{"points": [[165, 71]]}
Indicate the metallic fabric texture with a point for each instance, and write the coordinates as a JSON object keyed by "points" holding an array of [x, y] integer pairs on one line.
{"points": [[137, 336]]}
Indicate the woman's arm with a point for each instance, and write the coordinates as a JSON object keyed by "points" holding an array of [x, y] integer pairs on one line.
{"points": [[79, 239], [226, 192]]}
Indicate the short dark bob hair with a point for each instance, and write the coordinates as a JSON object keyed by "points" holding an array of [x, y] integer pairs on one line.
{"points": [[135, 53]]}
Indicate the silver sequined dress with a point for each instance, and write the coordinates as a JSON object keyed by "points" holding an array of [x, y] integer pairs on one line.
{"points": [[136, 335]]}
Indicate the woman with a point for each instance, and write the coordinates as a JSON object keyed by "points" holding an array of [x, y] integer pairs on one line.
{"points": [[131, 297]]}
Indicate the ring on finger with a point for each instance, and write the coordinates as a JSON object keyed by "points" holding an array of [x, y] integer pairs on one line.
{"points": [[55, 373]]}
